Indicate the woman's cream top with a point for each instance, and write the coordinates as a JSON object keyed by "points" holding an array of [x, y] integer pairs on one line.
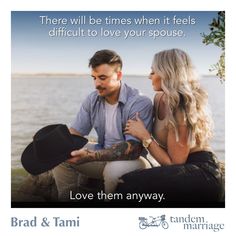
{"points": [[160, 126]]}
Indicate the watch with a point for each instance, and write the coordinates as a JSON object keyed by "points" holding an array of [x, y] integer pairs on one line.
{"points": [[147, 142]]}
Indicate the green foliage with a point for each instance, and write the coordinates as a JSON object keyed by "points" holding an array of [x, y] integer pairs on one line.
{"points": [[217, 37]]}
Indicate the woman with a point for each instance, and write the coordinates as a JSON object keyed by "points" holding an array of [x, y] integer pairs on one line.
{"points": [[180, 140]]}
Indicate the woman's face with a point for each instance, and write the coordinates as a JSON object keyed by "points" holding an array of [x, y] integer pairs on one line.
{"points": [[156, 80]]}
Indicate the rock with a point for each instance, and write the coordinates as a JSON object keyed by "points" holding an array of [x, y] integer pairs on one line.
{"points": [[42, 188], [38, 188]]}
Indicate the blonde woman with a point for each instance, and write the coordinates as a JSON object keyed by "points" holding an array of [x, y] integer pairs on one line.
{"points": [[180, 139]]}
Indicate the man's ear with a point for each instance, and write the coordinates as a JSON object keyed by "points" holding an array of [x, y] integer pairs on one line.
{"points": [[119, 75]]}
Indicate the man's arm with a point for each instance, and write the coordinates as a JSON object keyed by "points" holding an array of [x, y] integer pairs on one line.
{"points": [[128, 150], [82, 123]]}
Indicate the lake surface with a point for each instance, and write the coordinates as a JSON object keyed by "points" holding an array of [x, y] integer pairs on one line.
{"points": [[39, 101]]}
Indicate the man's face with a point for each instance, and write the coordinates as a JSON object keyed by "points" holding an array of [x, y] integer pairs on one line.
{"points": [[106, 80]]}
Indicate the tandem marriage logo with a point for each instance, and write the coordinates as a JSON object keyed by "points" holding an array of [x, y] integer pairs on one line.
{"points": [[193, 223]]}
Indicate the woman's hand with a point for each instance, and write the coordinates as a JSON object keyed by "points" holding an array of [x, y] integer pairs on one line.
{"points": [[137, 128]]}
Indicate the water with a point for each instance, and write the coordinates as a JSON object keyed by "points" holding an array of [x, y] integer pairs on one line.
{"points": [[39, 101]]}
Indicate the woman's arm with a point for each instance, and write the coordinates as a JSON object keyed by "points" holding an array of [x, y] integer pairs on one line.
{"points": [[177, 151]]}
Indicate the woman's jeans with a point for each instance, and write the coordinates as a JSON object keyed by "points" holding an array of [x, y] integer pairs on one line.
{"points": [[198, 180]]}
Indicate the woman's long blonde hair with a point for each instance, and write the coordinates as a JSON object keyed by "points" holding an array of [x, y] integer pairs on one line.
{"points": [[182, 88]]}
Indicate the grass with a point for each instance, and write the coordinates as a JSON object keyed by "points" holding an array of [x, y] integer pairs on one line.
{"points": [[17, 177]]}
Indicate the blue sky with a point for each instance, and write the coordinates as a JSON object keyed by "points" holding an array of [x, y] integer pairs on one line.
{"points": [[34, 51]]}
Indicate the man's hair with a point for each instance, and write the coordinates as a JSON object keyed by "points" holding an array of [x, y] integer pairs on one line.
{"points": [[106, 57]]}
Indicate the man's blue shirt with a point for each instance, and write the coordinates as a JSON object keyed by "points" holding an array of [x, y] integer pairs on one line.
{"points": [[92, 113]]}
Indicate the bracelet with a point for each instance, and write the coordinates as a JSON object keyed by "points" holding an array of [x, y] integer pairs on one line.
{"points": [[158, 144]]}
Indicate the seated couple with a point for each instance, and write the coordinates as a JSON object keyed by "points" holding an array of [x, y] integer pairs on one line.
{"points": [[176, 133]]}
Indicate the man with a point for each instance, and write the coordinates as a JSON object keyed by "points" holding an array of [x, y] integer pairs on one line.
{"points": [[106, 110]]}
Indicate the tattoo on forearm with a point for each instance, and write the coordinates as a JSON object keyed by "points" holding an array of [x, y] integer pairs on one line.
{"points": [[129, 150]]}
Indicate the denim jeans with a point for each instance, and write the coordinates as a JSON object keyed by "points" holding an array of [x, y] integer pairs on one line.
{"points": [[198, 180]]}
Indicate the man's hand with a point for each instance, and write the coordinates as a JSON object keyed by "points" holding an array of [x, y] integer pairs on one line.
{"points": [[80, 156], [128, 150]]}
